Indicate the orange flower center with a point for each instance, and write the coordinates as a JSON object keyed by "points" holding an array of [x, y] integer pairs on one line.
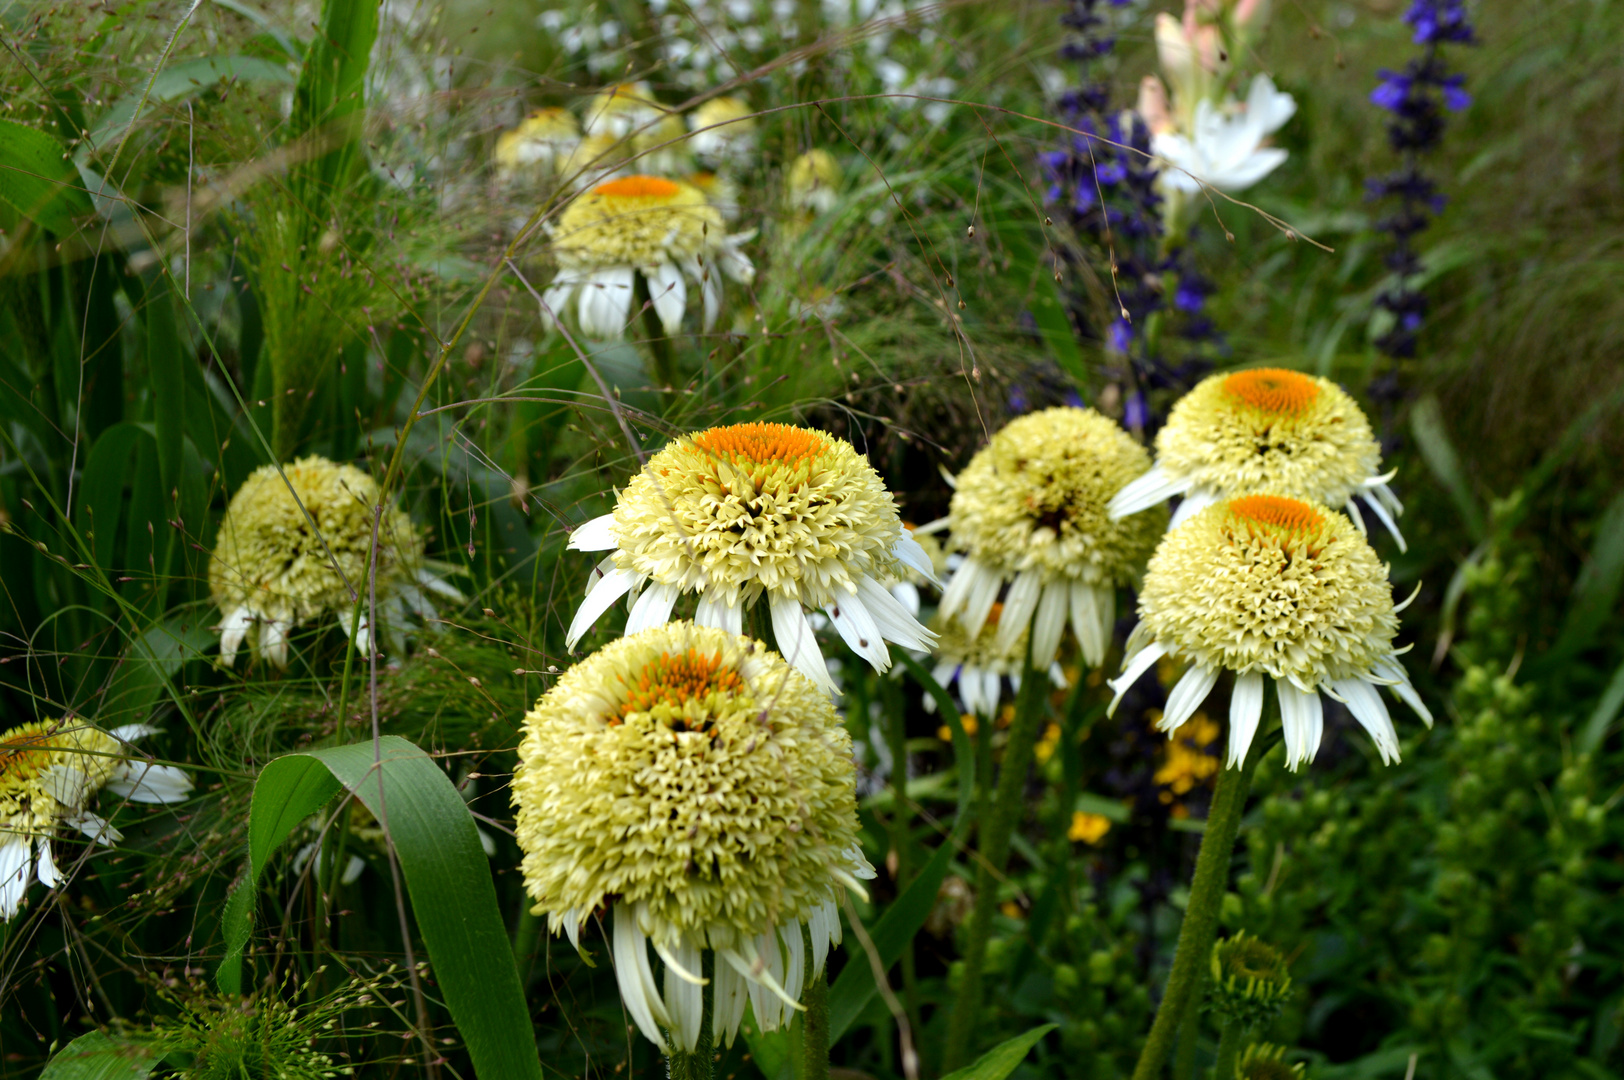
{"points": [[762, 444], [23, 756], [675, 680], [638, 187], [1273, 390], [995, 612], [1298, 519]]}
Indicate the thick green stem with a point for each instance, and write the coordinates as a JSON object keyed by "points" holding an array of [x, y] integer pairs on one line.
{"points": [[1200, 925], [1229, 1049], [815, 1024], [996, 829], [700, 1062]]}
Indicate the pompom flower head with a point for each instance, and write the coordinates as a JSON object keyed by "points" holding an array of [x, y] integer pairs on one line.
{"points": [[751, 510], [48, 772], [702, 788], [979, 665], [724, 132], [291, 550], [622, 109], [1266, 429], [1029, 509], [539, 145], [647, 225], [813, 186], [1270, 587]]}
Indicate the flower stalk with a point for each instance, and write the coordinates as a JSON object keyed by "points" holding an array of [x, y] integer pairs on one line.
{"points": [[815, 1025], [1191, 957], [1229, 1050]]}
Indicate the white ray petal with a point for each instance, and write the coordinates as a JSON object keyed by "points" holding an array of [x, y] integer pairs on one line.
{"points": [[153, 784], [233, 629], [1245, 710], [615, 584], [1020, 604], [796, 642], [631, 972], [1187, 695], [273, 641], [1387, 519], [46, 869], [132, 732], [714, 610], [1142, 662], [795, 949], [1141, 494], [909, 552], [906, 593], [439, 586], [1085, 623], [16, 866], [606, 300], [990, 687], [684, 992], [896, 623], [595, 535], [653, 608], [1351, 507], [668, 293], [1192, 504], [1403, 688], [572, 928], [1049, 623], [857, 628], [1303, 718], [1367, 707], [727, 1004]]}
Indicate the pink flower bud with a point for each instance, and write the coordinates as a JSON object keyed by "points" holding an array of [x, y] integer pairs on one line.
{"points": [[1153, 105]]}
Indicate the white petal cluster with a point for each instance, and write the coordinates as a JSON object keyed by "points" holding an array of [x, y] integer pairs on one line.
{"points": [[979, 666], [705, 789], [1224, 148], [759, 510], [1269, 587]]}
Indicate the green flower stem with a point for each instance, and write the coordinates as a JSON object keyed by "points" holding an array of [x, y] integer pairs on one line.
{"points": [[700, 1063], [1229, 1049], [815, 1023], [901, 827], [663, 370], [996, 828], [525, 935], [1194, 949]]}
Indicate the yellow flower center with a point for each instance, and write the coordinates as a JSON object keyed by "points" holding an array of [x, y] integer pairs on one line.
{"points": [[25, 753], [1273, 390], [673, 681], [762, 444]]}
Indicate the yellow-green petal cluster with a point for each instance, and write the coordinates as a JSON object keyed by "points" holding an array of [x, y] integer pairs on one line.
{"points": [[706, 789], [1250, 983], [1261, 1061], [1030, 509], [295, 545]]}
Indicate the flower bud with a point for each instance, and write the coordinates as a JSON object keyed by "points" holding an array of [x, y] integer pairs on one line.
{"points": [[1249, 981], [1153, 105], [1260, 1061]]}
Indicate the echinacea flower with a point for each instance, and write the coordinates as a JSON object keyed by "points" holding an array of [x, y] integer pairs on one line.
{"points": [[1029, 510], [540, 144], [296, 541], [979, 665], [703, 790], [1224, 146], [759, 510], [1264, 586], [1264, 1061], [620, 110], [595, 159], [1250, 982], [1266, 429], [724, 132], [644, 225], [813, 186], [48, 772]]}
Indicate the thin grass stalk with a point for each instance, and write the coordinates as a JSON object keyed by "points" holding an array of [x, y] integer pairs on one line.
{"points": [[997, 826], [1200, 924]]}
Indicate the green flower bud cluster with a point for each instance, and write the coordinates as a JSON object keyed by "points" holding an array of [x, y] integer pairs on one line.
{"points": [[1261, 1061], [1249, 983]]}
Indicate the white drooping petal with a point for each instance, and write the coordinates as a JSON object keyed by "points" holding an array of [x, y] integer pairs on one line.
{"points": [[684, 992], [990, 687], [556, 297], [16, 866], [435, 584], [1192, 504], [668, 294], [631, 972], [1049, 623], [1380, 511], [1302, 717], [795, 950], [653, 608], [907, 594], [1142, 662], [94, 826], [730, 994], [912, 554], [1399, 683], [1187, 695], [595, 535], [154, 784], [856, 627], [1085, 623], [983, 585], [233, 629], [1141, 494], [1020, 604], [796, 642], [894, 620], [714, 610], [67, 784], [606, 300], [612, 587], [1245, 710], [46, 869], [273, 641], [1367, 707], [824, 927], [132, 732]]}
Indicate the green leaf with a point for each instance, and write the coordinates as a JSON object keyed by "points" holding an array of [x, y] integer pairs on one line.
{"points": [[98, 1056], [447, 877], [147, 666], [1601, 720], [1002, 1059], [37, 180], [1432, 439], [332, 85], [165, 360], [964, 756], [1595, 593], [179, 82], [855, 987], [101, 493]]}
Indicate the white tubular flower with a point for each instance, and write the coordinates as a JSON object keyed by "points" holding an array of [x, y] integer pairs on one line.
{"points": [[1224, 148], [1029, 510], [49, 770], [759, 510], [1269, 587], [1267, 429], [702, 788], [979, 666], [644, 225], [271, 571], [539, 146]]}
